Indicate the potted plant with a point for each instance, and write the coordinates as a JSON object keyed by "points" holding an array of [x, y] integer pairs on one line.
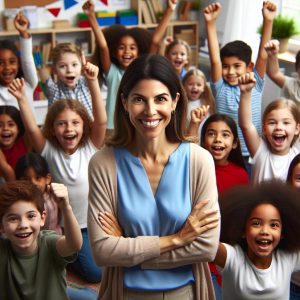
{"points": [[283, 28]]}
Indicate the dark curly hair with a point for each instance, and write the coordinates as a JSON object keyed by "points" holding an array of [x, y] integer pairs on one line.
{"points": [[113, 34], [236, 205]]}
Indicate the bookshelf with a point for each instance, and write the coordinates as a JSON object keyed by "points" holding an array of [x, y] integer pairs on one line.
{"points": [[185, 30]]}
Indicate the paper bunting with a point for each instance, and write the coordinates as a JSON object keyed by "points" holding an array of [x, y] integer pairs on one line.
{"points": [[105, 2], [69, 3], [54, 11]]}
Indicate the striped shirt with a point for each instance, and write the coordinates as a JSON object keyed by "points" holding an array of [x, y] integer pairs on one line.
{"points": [[58, 90]]}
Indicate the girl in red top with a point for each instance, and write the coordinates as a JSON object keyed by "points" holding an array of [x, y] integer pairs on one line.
{"points": [[219, 136]]}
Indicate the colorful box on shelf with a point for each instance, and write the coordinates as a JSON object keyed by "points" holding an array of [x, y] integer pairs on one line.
{"points": [[83, 23], [105, 18], [127, 17]]}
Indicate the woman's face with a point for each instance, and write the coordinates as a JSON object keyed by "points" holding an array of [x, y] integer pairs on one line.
{"points": [[149, 106], [296, 176]]}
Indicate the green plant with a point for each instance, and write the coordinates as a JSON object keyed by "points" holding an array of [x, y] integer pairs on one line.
{"points": [[196, 5], [283, 27]]}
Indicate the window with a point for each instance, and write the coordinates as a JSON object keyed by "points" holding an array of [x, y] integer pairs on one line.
{"points": [[291, 8]]}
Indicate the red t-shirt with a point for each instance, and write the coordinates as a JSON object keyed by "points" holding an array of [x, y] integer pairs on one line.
{"points": [[230, 175], [15, 152]]}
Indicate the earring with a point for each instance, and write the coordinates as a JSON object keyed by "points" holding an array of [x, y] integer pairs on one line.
{"points": [[173, 113]]}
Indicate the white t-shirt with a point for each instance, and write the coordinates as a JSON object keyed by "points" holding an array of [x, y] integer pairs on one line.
{"points": [[266, 165], [72, 170], [241, 280], [291, 88]]}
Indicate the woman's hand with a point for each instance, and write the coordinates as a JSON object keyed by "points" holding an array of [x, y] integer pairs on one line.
{"points": [[199, 221], [110, 224]]}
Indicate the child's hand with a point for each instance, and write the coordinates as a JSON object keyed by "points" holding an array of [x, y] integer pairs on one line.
{"points": [[17, 88], [21, 22], [60, 193], [168, 40], [247, 82], [172, 4], [199, 114], [89, 70], [89, 8], [272, 47], [211, 12], [269, 10], [109, 224]]}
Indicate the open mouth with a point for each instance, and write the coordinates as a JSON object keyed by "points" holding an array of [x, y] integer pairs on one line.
{"points": [[150, 124], [70, 138], [279, 139], [177, 63], [23, 235], [218, 148]]}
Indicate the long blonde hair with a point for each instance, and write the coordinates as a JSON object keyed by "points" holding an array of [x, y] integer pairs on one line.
{"points": [[207, 97]]}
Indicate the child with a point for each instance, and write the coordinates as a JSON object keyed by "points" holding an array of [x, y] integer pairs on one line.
{"points": [[271, 155], [12, 135], [178, 53], [293, 178], [32, 262], [233, 61], [290, 86], [12, 66], [67, 64], [198, 92], [260, 248], [219, 136], [34, 167], [116, 58], [70, 139]]}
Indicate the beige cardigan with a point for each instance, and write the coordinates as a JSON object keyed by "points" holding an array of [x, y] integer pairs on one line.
{"points": [[113, 253]]}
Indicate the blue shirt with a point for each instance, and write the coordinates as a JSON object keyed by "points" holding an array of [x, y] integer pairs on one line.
{"points": [[228, 101], [140, 213]]}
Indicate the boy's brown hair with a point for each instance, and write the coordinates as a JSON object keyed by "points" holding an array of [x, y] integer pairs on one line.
{"points": [[20, 190], [62, 48]]}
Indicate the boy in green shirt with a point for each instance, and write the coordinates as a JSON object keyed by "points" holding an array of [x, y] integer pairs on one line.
{"points": [[32, 262]]}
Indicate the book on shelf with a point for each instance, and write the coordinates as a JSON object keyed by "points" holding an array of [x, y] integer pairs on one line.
{"points": [[151, 11], [145, 13]]}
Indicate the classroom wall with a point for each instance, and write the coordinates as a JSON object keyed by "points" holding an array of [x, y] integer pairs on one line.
{"points": [[44, 18]]}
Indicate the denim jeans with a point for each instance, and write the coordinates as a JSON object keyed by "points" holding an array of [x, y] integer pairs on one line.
{"points": [[217, 288], [294, 292], [85, 265], [81, 294]]}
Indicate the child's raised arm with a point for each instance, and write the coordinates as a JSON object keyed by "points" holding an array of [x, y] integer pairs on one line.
{"points": [[99, 113], [273, 70], [211, 13], [161, 27], [17, 89], [21, 24], [71, 241], [269, 13], [89, 8], [197, 116], [221, 256], [251, 136], [6, 171]]}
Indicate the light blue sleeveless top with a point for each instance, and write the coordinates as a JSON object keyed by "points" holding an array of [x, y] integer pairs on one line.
{"points": [[140, 213]]}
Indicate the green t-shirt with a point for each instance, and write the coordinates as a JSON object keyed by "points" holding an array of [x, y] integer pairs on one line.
{"points": [[35, 277]]}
